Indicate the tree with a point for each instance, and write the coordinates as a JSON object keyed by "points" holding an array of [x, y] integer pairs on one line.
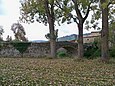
{"points": [[78, 10], [1, 33], [19, 32], [104, 32], [107, 10], [105, 29], [81, 20], [42, 11]]}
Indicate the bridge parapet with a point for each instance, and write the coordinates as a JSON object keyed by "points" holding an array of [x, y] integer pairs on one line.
{"points": [[36, 49]]}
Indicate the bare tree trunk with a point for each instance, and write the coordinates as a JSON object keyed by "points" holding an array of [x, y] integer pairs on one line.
{"points": [[80, 41], [52, 38], [104, 35], [51, 20], [53, 48]]}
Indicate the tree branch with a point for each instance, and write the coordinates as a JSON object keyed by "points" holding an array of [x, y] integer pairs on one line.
{"points": [[87, 13], [74, 18], [77, 10], [70, 15], [47, 8], [58, 5], [52, 10]]}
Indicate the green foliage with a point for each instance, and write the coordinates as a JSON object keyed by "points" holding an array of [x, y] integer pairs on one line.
{"points": [[92, 51], [62, 54], [112, 32], [97, 11], [3, 45], [104, 3], [112, 52], [15, 40], [69, 8], [21, 46], [33, 10]]}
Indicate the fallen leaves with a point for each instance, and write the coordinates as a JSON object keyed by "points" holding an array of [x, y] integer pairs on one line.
{"points": [[55, 72]]}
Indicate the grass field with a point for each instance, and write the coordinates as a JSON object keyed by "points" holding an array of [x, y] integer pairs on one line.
{"points": [[56, 72]]}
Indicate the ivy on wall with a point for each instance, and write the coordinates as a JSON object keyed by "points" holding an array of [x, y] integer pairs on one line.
{"points": [[2, 45], [21, 46]]}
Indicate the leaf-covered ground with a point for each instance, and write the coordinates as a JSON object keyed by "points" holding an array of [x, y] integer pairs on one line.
{"points": [[56, 72]]}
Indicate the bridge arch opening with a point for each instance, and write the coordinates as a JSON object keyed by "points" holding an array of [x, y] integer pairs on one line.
{"points": [[71, 51]]}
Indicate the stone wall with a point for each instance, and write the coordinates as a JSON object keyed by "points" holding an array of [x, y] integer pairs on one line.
{"points": [[8, 50], [38, 50], [33, 50]]}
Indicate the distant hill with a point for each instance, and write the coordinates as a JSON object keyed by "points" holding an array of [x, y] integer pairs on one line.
{"points": [[68, 37], [38, 41]]}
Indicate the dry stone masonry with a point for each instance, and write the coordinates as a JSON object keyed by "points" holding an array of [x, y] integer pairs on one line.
{"points": [[35, 49]]}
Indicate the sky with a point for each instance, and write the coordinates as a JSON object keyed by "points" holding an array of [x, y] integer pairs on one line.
{"points": [[9, 14]]}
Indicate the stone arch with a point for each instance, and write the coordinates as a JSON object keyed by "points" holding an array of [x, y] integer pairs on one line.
{"points": [[72, 51]]}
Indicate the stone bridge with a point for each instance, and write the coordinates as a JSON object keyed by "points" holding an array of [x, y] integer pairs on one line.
{"points": [[36, 49]]}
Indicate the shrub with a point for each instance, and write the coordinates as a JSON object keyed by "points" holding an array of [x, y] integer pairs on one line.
{"points": [[112, 52], [62, 54], [21, 46], [92, 51]]}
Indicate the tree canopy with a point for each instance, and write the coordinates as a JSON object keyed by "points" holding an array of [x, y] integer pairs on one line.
{"points": [[34, 10], [42, 11], [1, 33], [19, 32], [52, 11]]}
